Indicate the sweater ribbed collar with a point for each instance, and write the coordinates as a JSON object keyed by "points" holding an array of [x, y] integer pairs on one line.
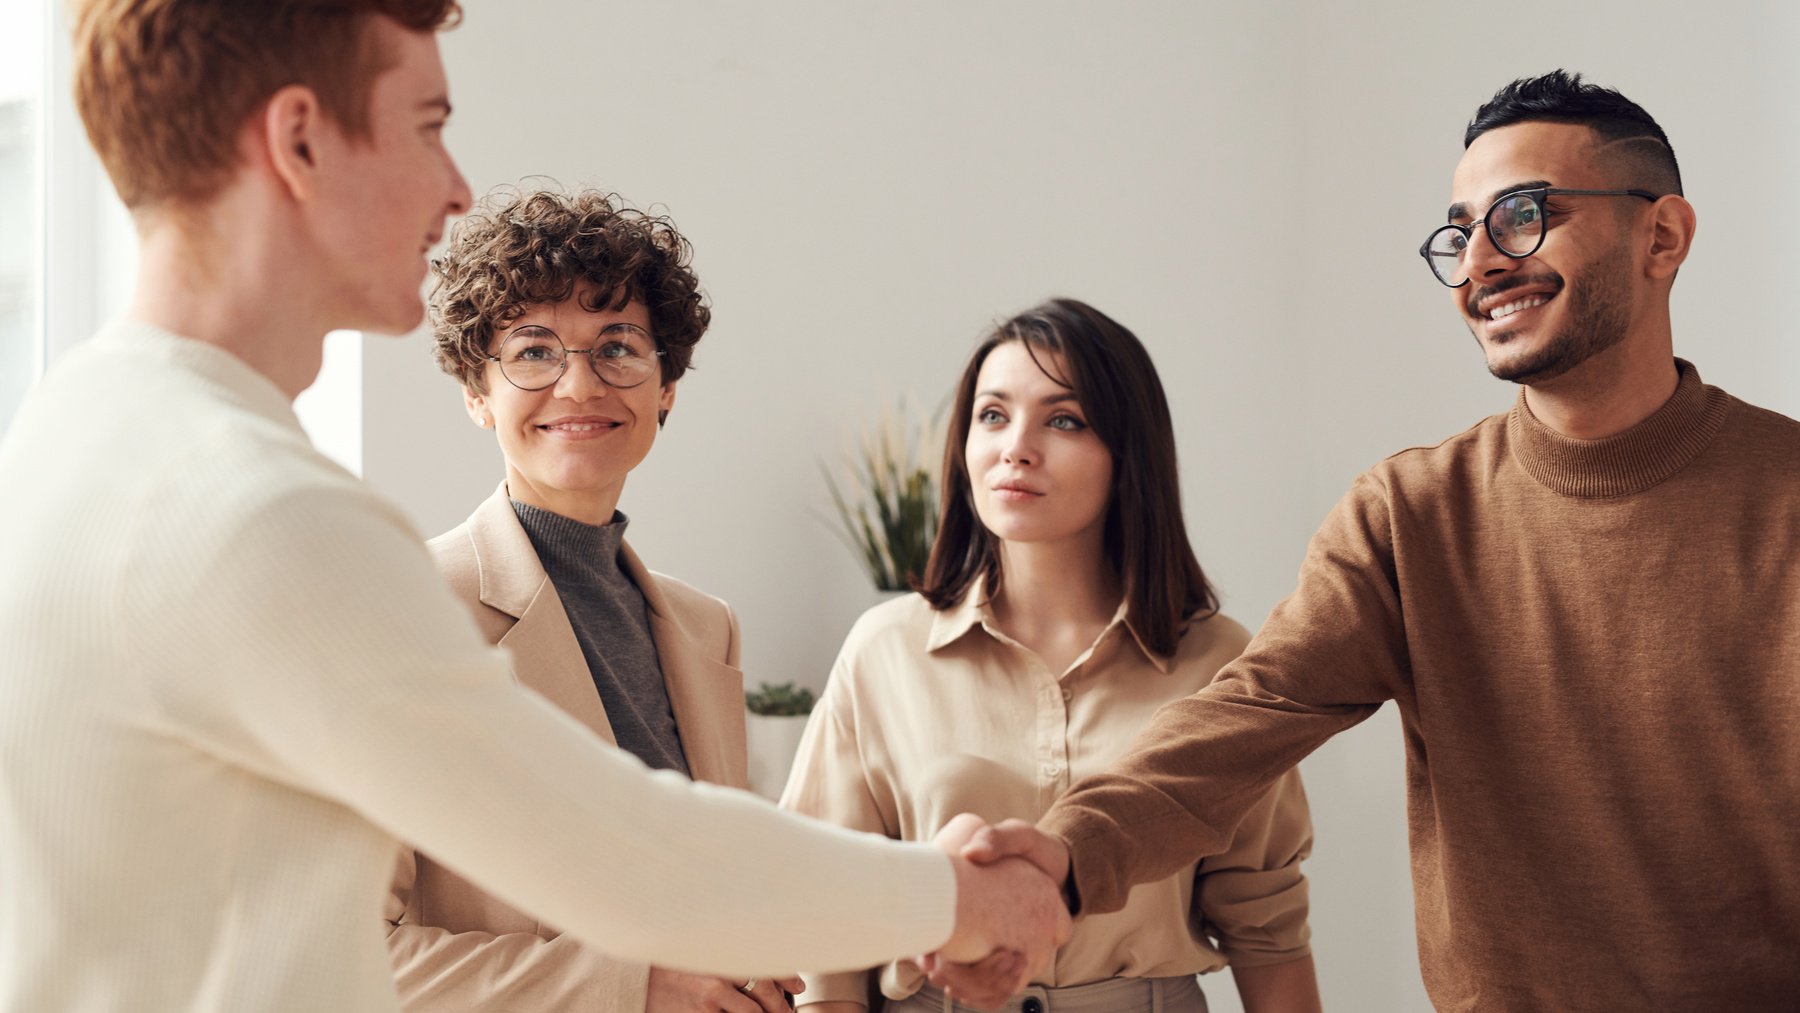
{"points": [[229, 376], [1630, 462], [569, 548]]}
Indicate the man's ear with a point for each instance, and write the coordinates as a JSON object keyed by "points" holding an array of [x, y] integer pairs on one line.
{"points": [[292, 125], [1672, 235]]}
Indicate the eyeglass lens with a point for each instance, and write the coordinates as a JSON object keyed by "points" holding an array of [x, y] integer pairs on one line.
{"points": [[533, 358], [1515, 224]]}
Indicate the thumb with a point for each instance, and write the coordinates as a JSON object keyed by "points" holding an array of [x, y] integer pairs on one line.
{"points": [[955, 835], [1007, 839]]}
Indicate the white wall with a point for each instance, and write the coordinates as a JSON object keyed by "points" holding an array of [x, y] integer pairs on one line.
{"points": [[1243, 184]]}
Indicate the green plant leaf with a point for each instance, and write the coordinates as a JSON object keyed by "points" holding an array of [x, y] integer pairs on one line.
{"points": [[780, 700]]}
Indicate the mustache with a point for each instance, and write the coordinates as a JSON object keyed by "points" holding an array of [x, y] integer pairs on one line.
{"points": [[1479, 295]]}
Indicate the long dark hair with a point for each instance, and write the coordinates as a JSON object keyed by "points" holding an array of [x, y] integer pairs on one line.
{"points": [[1145, 536]]}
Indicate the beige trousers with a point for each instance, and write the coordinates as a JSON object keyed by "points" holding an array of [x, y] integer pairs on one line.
{"points": [[1115, 995]]}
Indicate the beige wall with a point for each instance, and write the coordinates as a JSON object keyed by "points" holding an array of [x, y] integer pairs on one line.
{"points": [[1243, 184]]}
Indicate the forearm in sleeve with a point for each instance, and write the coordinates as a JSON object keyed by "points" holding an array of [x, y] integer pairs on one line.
{"points": [[357, 677], [1326, 658], [1253, 896], [828, 782], [439, 971]]}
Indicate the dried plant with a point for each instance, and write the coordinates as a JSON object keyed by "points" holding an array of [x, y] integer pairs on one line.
{"points": [[889, 513]]}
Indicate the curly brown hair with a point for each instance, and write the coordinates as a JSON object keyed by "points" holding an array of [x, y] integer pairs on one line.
{"points": [[519, 248]]}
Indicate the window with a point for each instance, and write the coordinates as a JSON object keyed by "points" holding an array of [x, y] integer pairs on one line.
{"points": [[68, 251], [22, 75], [331, 409]]}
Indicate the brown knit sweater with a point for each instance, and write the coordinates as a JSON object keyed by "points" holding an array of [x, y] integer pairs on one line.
{"points": [[1595, 649]]}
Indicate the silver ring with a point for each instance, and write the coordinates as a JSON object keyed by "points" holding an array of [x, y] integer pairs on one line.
{"points": [[747, 986]]}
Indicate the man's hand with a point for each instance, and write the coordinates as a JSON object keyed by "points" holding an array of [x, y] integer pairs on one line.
{"points": [[1010, 919], [1018, 839], [992, 980], [677, 992]]}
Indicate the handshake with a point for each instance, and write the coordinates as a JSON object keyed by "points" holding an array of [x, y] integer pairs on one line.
{"points": [[1010, 914]]}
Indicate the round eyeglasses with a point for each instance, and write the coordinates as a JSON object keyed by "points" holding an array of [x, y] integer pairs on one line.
{"points": [[534, 357], [1515, 224]]}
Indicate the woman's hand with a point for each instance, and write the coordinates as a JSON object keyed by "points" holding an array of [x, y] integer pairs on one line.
{"points": [[677, 992]]}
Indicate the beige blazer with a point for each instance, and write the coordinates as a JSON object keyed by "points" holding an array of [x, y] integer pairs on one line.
{"points": [[454, 947]]}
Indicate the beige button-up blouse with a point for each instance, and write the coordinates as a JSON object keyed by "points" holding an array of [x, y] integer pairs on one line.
{"points": [[929, 714]]}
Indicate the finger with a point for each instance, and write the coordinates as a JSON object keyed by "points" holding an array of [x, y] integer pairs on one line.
{"points": [[987, 983], [769, 997], [1003, 839], [1023, 841], [793, 985], [955, 834], [944, 973], [1027, 969], [731, 999]]}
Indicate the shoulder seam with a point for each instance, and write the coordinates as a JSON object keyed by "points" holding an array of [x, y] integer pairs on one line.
{"points": [[1454, 438]]}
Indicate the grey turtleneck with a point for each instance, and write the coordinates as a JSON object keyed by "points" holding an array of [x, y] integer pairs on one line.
{"points": [[612, 624]]}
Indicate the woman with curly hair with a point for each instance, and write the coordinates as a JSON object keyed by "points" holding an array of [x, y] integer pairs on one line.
{"points": [[568, 319]]}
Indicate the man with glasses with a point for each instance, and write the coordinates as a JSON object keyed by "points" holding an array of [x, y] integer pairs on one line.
{"points": [[1587, 610]]}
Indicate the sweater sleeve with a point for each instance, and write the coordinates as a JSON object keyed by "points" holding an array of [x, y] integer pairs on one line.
{"points": [[1252, 896], [1327, 657], [440, 971], [319, 649], [829, 782]]}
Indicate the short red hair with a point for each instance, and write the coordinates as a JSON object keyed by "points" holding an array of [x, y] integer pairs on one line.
{"points": [[164, 86]]}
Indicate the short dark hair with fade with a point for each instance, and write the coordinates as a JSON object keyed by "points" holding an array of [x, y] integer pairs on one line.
{"points": [[1629, 133]]}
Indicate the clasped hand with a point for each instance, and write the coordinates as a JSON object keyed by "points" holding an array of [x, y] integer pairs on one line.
{"points": [[1010, 915], [671, 991]]}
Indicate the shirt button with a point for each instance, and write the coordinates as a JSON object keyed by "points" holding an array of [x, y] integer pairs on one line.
{"points": [[1052, 769], [1068, 694], [1032, 1004]]}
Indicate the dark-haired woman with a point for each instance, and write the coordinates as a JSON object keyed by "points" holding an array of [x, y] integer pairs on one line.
{"points": [[1062, 605]]}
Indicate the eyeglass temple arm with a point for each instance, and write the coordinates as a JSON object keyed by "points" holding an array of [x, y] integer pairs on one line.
{"points": [[1645, 194]]}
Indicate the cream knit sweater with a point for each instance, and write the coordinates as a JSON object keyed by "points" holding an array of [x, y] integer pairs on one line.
{"points": [[230, 676]]}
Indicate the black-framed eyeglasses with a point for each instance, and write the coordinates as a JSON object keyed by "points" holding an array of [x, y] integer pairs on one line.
{"points": [[1515, 223], [534, 357]]}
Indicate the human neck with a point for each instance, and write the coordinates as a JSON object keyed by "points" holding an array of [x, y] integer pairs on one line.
{"points": [[222, 276], [1610, 392], [1051, 591], [594, 508]]}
